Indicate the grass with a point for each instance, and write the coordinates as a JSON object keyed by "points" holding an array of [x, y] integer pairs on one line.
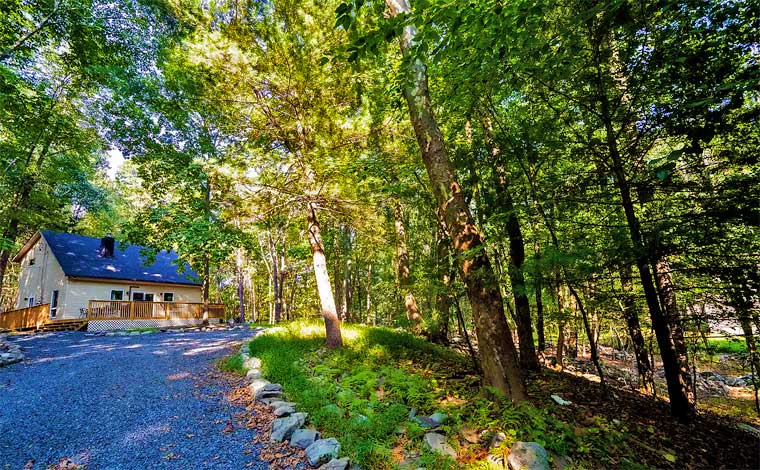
{"points": [[143, 330], [232, 364], [724, 346], [363, 393]]}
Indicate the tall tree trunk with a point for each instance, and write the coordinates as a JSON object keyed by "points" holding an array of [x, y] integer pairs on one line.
{"points": [[538, 285], [11, 234], [404, 278], [338, 273], [240, 285], [643, 366], [560, 323], [347, 287], [276, 298], [754, 359], [498, 355], [677, 389], [368, 307], [667, 292], [329, 313], [445, 276], [528, 357]]}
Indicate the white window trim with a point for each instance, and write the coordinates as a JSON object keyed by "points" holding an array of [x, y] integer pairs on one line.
{"points": [[54, 310], [116, 290]]}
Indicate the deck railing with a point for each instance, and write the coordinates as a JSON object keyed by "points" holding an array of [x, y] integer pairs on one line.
{"points": [[129, 310], [29, 317]]}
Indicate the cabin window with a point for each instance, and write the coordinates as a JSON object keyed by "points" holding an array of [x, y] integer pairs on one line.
{"points": [[31, 260], [168, 296], [142, 297], [31, 301], [117, 295], [54, 303]]}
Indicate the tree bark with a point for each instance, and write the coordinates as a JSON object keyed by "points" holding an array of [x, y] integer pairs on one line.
{"points": [[667, 292], [10, 233], [643, 366], [329, 313], [498, 355], [445, 276], [404, 279], [368, 306], [240, 285], [528, 357], [677, 389]]}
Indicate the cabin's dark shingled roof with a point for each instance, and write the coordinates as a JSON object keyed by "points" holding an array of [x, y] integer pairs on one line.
{"points": [[78, 257]]}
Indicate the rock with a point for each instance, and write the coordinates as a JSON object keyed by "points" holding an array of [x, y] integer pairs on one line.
{"points": [[438, 418], [258, 384], [322, 450], [279, 403], [561, 462], [750, 429], [282, 428], [271, 391], [430, 422], [528, 456], [252, 363], [497, 439], [335, 464], [253, 374], [437, 443], [561, 401], [284, 410], [303, 438], [262, 389]]}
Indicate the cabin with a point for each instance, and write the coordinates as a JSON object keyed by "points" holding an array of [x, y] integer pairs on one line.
{"points": [[70, 280]]}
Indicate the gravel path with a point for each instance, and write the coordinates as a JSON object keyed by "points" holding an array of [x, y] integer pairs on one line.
{"points": [[121, 402]]}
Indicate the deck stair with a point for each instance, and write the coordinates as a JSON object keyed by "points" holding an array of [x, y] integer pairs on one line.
{"points": [[63, 325]]}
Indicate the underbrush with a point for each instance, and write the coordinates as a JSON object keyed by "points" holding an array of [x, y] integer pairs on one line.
{"points": [[364, 393]]}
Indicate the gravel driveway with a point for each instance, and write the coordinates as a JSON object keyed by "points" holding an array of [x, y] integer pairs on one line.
{"points": [[121, 402]]}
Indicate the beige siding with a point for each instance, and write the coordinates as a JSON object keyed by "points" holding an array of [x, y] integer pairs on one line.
{"points": [[39, 280], [80, 292]]}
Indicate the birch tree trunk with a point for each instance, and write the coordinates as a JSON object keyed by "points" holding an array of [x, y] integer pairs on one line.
{"points": [[326, 299], [498, 355]]}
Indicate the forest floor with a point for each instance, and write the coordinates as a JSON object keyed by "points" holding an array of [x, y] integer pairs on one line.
{"points": [[723, 380], [367, 393]]}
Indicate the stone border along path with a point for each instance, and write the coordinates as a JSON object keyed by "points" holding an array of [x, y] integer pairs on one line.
{"points": [[9, 353], [123, 402], [289, 424]]}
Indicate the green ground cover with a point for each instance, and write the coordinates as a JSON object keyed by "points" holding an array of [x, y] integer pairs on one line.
{"points": [[363, 394]]}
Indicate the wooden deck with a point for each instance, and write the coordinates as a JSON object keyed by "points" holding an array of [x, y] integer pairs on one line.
{"points": [[25, 318], [129, 310], [37, 318]]}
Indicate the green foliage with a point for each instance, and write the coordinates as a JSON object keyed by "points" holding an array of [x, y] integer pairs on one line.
{"points": [[232, 363], [363, 394]]}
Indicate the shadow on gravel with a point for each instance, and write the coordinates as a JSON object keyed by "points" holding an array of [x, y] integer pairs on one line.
{"points": [[122, 402]]}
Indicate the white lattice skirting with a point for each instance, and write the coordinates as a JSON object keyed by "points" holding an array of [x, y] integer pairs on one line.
{"points": [[108, 325]]}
